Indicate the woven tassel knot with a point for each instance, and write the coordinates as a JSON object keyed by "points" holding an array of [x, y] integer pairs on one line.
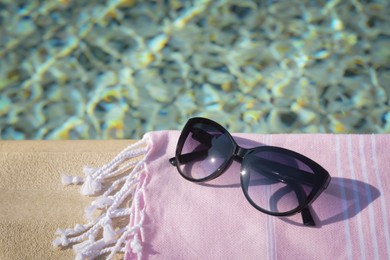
{"points": [[91, 186], [68, 180], [136, 245], [103, 202], [61, 241], [108, 230]]}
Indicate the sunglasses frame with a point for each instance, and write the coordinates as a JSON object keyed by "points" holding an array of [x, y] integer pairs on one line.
{"points": [[321, 181]]}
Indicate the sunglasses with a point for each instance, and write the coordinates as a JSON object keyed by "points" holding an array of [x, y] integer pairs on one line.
{"points": [[276, 181]]}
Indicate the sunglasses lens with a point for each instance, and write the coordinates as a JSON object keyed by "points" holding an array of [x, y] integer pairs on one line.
{"points": [[205, 150], [276, 182]]}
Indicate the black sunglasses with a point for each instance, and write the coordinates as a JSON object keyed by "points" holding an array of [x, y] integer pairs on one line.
{"points": [[276, 181]]}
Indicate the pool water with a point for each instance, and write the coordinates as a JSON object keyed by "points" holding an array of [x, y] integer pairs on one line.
{"points": [[117, 69]]}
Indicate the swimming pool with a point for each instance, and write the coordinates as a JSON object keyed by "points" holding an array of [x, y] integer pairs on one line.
{"points": [[116, 69]]}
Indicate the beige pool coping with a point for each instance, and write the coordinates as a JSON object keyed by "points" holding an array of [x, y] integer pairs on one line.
{"points": [[34, 203]]}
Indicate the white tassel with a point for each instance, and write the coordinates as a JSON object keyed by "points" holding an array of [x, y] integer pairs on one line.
{"points": [[136, 245], [99, 203], [89, 170], [79, 248], [91, 186], [108, 230], [60, 232], [88, 249], [89, 212], [61, 241], [79, 228], [100, 231], [103, 202], [79, 257], [68, 180]]}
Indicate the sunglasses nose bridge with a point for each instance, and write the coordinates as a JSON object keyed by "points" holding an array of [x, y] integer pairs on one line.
{"points": [[240, 153]]}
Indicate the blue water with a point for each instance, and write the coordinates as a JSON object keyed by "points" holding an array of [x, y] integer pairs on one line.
{"points": [[83, 70]]}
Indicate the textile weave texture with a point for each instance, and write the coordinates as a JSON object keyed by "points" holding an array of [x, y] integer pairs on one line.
{"points": [[172, 218]]}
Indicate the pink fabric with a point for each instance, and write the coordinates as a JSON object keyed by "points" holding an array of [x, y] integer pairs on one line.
{"points": [[184, 220]]}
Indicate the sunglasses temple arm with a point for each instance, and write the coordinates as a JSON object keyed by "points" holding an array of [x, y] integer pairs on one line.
{"points": [[201, 136], [189, 157], [280, 170], [172, 161], [307, 217]]}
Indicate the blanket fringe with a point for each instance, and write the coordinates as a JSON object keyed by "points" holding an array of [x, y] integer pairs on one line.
{"points": [[125, 173]]}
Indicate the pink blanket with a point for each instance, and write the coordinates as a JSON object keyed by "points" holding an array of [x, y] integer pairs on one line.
{"points": [[172, 218]]}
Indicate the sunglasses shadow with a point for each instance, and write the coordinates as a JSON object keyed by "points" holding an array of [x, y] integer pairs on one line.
{"points": [[342, 200]]}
